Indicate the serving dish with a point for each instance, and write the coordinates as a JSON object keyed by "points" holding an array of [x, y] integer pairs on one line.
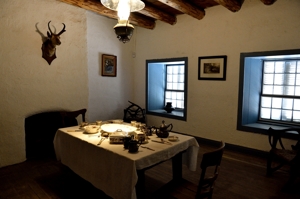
{"points": [[111, 128]]}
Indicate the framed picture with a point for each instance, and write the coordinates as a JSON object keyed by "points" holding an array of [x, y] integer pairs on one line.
{"points": [[212, 68], [109, 65]]}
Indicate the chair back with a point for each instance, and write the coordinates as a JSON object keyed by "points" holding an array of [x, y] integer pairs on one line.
{"points": [[134, 113], [275, 137], [69, 117], [210, 160]]}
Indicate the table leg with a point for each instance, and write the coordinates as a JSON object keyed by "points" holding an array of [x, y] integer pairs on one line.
{"points": [[140, 186], [177, 167]]}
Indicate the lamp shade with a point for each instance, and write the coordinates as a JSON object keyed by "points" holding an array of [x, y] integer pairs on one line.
{"points": [[134, 5]]}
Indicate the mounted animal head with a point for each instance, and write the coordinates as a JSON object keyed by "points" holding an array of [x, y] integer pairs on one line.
{"points": [[49, 46]]}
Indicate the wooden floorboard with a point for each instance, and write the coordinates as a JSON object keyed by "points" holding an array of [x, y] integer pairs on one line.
{"points": [[241, 176]]}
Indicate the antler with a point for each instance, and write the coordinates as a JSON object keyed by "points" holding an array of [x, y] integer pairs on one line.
{"points": [[61, 32], [49, 27]]}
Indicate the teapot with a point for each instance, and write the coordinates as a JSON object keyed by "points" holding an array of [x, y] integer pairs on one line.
{"points": [[163, 130]]}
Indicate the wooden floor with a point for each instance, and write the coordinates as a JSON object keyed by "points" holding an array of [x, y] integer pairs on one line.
{"points": [[241, 176]]}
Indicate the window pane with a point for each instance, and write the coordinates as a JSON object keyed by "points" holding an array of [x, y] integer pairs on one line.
{"points": [[269, 67], [168, 94], [169, 78], [268, 78], [289, 79], [265, 113], [278, 79], [278, 90], [286, 115], [179, 96], [180, 86], [297, 90], [296, 104], [290, 67], [169, 86], [296, 116], [279, 67], [289, 90], [175, 78], [276, 114], [181, 69], [175, 69], [266, 102], [287, 103], [298, 66], [268, 90], [276, 102], [180, 78], [175, 86], [298, 79]]}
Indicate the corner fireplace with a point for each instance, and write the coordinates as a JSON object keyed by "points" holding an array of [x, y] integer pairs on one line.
{"points": [[40, 130]]}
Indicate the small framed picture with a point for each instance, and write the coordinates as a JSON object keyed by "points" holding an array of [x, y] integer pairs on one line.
{"points": [[109, 65], [212, 68]]}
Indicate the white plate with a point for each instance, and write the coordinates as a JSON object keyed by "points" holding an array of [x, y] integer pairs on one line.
{"points": [[110, 128]]}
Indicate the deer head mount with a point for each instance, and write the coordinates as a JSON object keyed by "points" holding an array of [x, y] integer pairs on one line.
{"points": [[49, 46]]}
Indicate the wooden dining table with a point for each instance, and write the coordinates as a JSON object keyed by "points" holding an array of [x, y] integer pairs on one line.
{"points": [[115, 171]]}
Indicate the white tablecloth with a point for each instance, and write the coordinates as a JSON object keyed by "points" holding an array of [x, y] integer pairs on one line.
{"points": [[111, 168]]}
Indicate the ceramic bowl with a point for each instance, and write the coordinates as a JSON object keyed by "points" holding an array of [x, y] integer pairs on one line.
{"points": [[91, 129]]}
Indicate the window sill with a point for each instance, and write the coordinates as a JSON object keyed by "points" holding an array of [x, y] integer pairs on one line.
{"points": [[262, 128], [179, 115]]}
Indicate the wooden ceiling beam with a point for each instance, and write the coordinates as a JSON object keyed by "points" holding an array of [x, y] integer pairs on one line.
{"points": [[97, 7], [155, 13], [268, 2], [185, 7], [232, 5]]}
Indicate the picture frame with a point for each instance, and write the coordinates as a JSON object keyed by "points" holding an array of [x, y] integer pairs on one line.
{"points": [[109, 65], [212, 68]]}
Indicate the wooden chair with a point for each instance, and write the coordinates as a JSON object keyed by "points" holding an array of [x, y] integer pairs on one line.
{"points": [[134, 112], [280, 155], [210, 160], [209, 165], [69, 117]]}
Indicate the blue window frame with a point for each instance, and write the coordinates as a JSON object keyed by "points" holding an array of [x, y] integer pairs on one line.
{"points": [[166, 81], [258, 107]]}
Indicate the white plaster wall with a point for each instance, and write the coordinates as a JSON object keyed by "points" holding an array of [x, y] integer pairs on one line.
{"points": [[108, 96], [28, 84], [212, 105]]}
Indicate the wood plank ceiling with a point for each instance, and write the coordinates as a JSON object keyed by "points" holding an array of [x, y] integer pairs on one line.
{"points": [[163, 10]]}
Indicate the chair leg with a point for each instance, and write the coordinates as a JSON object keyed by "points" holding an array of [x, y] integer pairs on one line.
{"points": [[270, 169], [269, 165]]}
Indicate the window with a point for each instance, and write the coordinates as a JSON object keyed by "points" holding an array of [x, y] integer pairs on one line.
{"points": [[174, 91], [269, 91], [280, 99], [166, 81]]}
